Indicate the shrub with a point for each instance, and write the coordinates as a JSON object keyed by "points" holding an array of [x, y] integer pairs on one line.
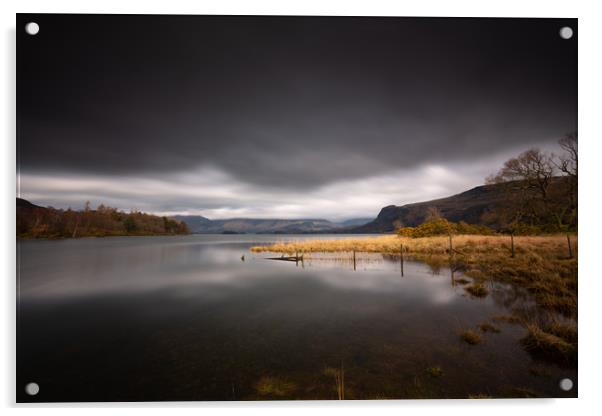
{"points": [[441, 226]]}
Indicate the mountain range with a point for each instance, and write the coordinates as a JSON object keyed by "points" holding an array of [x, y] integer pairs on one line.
{"points": [[468, 206], [202, 225]]}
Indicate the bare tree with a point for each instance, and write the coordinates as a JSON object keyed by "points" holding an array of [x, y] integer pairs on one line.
{"points": [[567, 163], [533, 168], [540, 187]]}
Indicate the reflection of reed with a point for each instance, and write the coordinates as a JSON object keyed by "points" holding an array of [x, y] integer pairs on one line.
{"points": [[347, 259], [339, 379]]}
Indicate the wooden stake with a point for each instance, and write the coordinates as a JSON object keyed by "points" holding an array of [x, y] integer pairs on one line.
{"points": [[342, 381], [568, 240], [450, 245], [401, 258], [353, 259]]}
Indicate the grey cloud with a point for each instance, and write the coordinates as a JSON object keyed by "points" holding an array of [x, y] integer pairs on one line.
{"points": [[290, 102]]}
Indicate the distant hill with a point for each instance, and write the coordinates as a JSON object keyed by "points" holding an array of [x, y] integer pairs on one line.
{"points": [[194, 222], [23, 203], [356, 222], [467, 206], [201, 225], [34, 221]]}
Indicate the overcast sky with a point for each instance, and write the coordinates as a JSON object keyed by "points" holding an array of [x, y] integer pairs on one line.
{"points": [[284, 117]]}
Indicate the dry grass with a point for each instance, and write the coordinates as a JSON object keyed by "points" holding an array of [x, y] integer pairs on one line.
{"points": [[428, 245], [275, 387], [555, 342], [435, 371], [478, 290], [339, 379], [540, 264], [487, 327], [471, 337]]}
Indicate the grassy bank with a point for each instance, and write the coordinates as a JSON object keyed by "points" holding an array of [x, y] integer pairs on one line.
{"points": [[540, 263]]}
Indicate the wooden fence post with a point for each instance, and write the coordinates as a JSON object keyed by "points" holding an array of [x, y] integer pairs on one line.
{"points": [[450, 245], [401, 257], [353, 259], [568, 240]]}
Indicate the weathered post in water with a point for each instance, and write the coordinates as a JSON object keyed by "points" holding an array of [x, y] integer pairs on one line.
{"points": [[451, 248], [512, 244], [353, 259], [401, 258], [568, 240]]}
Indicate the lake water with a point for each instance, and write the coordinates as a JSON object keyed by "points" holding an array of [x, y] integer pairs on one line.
{"points": [[186, 318]]}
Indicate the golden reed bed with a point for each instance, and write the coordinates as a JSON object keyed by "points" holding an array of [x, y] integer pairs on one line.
{"points": [[544, 265], [555, 245]]}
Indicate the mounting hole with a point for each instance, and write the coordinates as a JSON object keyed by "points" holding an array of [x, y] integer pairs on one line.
{"points": [[566, 32], [32, 389], [32, 28], [566, 384]]}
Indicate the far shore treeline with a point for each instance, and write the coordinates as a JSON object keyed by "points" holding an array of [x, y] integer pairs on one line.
{"points": [[39, 222]]}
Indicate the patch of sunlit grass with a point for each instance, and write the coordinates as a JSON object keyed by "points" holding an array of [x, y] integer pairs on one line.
{"points": [[555, 342]]}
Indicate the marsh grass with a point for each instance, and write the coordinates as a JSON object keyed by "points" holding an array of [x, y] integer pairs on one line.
{"points": [[553, 342], [479, 396], [471, 337], [435, 371], [487, 327], [478, 290], [274, 387], [339, 379], [540, 264]]}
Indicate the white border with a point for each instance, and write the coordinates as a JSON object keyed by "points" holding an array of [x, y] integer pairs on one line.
{"points": [[590, 117]]}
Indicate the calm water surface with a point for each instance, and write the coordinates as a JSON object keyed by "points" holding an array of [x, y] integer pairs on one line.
{"points": [[186, 318]]}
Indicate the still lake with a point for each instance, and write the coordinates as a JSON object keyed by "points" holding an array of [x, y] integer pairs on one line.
{"points": [[187, 318]]}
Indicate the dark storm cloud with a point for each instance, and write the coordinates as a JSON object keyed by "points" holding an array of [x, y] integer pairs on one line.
{"points": [[287, 101]]}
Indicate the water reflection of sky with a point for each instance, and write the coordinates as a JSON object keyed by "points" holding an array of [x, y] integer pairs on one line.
{"points": [[92, 267], [198, 311]]}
